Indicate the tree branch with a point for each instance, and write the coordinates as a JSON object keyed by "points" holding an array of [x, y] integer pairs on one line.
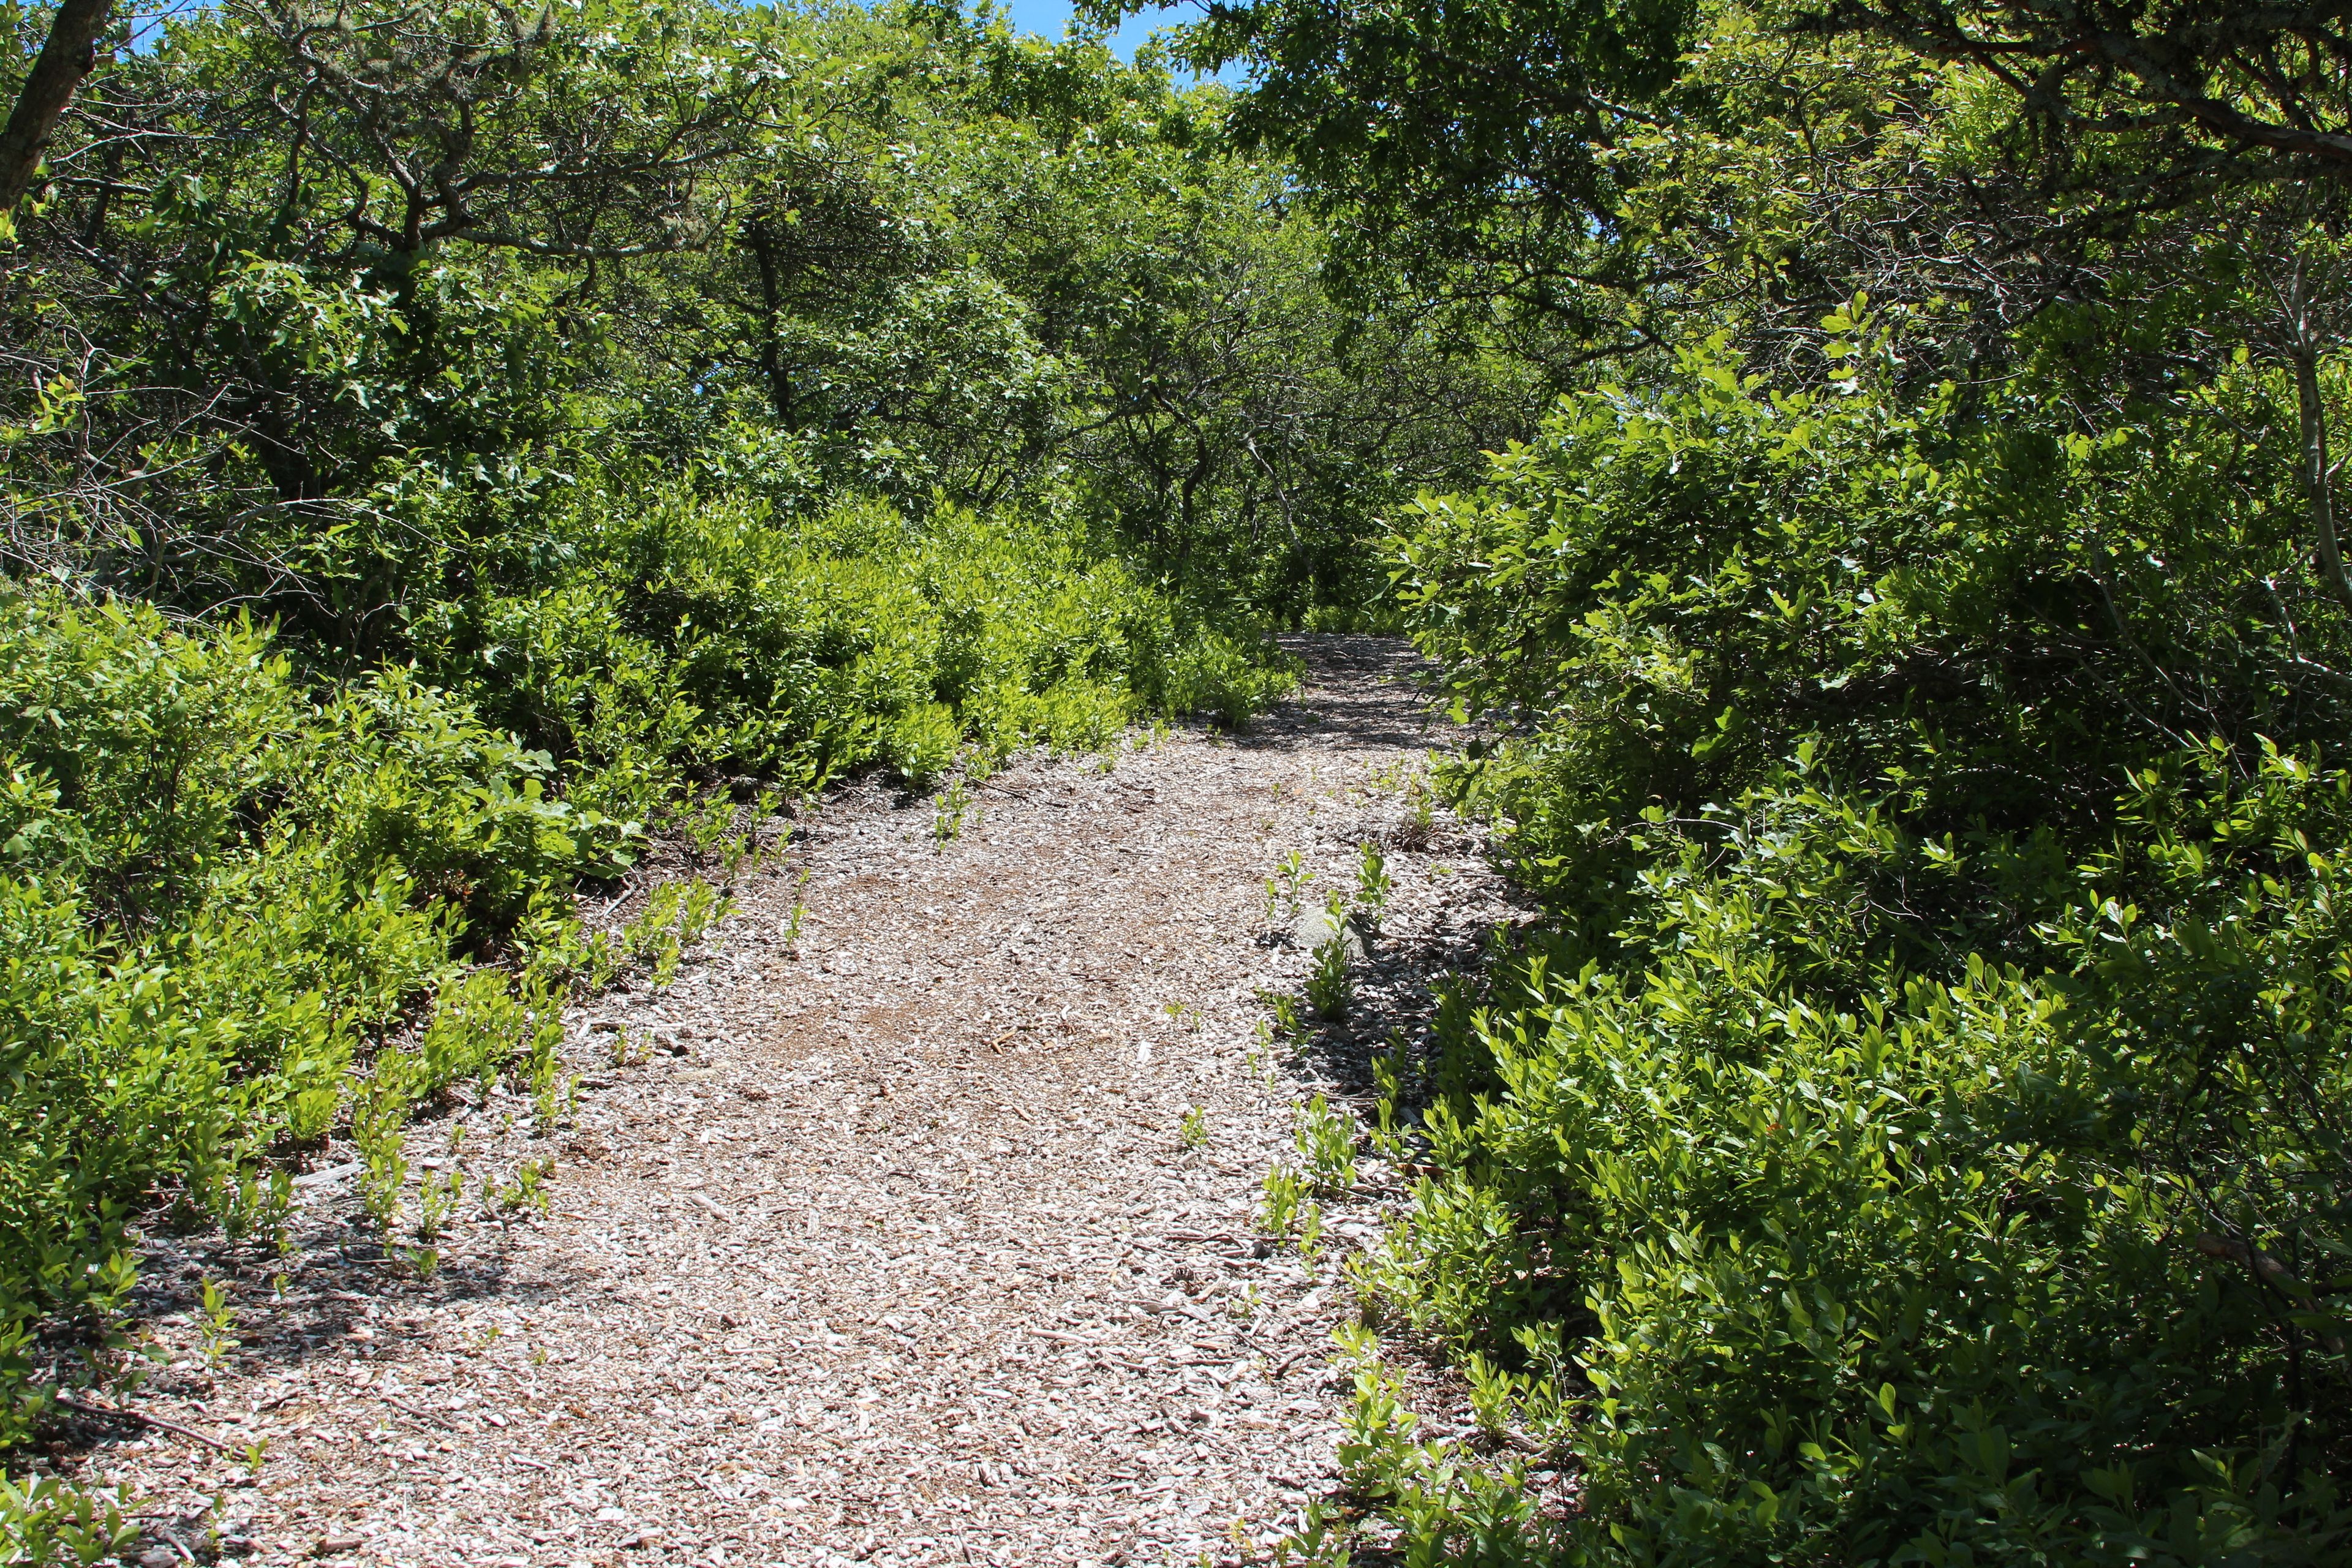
{"points": [[66, 58]]}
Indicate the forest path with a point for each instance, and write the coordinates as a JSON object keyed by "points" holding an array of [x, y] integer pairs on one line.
{"points": [[890, 1249]]}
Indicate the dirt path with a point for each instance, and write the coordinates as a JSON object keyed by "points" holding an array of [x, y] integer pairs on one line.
{"points": [[890, 1249]]}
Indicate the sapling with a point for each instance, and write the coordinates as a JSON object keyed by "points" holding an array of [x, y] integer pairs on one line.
{"points": [[1388, 1078], [437, 1199], [1285, 1022], [1329, 990], [1326, 1140], [710, 829], [1372, 881], [948, 820], [1286, 887], [798, 910], [1494, 1396], [220, 1317], [1278, 1209], [379, 1111]]}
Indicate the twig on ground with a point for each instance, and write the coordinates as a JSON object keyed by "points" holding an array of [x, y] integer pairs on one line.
{"points": [[140, 1418]]}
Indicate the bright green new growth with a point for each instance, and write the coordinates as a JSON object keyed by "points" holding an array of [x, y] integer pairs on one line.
{"points": [[215, 1341], [1279, 1201], [1326, 1140], [1331, 987], [1286, 888], [947, 819], [1372, 881]]}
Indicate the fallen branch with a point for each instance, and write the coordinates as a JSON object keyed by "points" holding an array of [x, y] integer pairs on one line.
{"points": [[407, 1409], [139, 1418], [1286, 1362]]}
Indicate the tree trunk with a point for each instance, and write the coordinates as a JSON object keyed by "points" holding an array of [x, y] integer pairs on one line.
{"points": [[2318, 473], [64, 60]]}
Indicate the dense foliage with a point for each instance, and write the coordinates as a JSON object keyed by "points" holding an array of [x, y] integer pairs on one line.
{"points": [[1914, 660], [1921, 1136], [446, 451], [442, 449]]}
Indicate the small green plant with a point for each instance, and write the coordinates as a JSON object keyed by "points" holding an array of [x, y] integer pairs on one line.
{"points": [[425, 1260], [437, 1200], [256, 1203], [1325, 1141], [1494, 1396], [1372, 881], [1388, 1079], [379, 1114], [1258, 1058], [1331, 990], [705, 905], [799, 911], [1279, 1199], [1244, 1302], [675, 917], [947, 819], [1287, 889], [710, 832], [527, 1190], [255, 1454], [1192, 1131], [213, 1339], [1376, 1442], [553, 1092], [1285, 1023], [1310, 1230]]}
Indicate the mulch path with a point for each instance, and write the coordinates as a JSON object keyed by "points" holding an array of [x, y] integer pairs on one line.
{"points": [[883, 1245]]}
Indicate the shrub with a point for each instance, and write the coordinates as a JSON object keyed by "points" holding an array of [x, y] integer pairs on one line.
{"points": [[223, 884], [1917, 1135]]}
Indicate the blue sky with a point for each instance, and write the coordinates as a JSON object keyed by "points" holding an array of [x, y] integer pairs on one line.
{"points": [[1050, 16]]}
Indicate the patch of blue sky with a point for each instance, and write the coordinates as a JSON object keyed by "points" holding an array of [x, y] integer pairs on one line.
{"points": [[1050, 19]]}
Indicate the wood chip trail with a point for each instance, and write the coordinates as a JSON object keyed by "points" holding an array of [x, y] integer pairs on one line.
{"points": [[882, 1248]]}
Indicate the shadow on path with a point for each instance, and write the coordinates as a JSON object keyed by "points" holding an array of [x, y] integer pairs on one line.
{"points": [[1368, 693]]}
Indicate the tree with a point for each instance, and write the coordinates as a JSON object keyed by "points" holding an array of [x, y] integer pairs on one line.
{"points": [[66, 58]]}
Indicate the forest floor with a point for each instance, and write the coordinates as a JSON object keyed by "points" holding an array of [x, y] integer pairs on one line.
{"points": [[881, 1240]]}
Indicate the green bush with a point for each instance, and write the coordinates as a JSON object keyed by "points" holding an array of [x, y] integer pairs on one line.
{"points": [[1919, 1136], [224, 887]]}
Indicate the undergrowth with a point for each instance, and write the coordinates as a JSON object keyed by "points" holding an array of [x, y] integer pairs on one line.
{"points": [[1919, 1134], [247, 901]]}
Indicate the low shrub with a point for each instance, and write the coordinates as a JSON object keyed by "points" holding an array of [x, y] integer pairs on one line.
{"points": [[236, 890]]}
